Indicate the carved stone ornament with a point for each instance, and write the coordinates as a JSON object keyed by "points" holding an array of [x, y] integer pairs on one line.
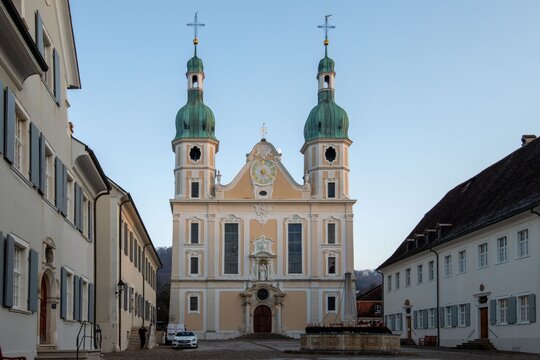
{"points": [[262, 244], [262, 212], [263, 151]]}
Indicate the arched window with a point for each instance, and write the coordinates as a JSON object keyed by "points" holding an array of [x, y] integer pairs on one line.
{"points": [[326, 81], [195, 81]]}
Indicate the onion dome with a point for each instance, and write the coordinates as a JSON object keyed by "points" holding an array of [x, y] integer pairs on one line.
{"points": [[195, 119]]}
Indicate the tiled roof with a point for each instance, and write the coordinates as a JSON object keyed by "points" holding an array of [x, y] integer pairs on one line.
{"points": [[372, 294], [506, 188]]}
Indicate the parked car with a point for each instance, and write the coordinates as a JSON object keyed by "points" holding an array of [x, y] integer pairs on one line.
{"points": [[185, 339], [172, 330]]}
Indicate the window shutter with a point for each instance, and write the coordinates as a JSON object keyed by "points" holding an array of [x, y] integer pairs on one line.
{"points": [[9, 126], [1, 118], [91, 303], [63, 293], [453, 310], [91, 222], [468, 314], [436, 317], [33, 281], [425, 319], [64, 190], [81, 212], [441, 316], [8, 271], [76, 206], [42, 165], [125, 299], [34, 155], [493, 312], [39, 34], [58, 183], [532, 308], [415, 318], [80, 299], [76, 297], [2, 245], [57, 89], [511, 310]]}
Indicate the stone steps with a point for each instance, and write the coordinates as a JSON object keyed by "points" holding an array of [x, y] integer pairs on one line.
{"points": [[51, 354], [263, 336], [478, 344]]}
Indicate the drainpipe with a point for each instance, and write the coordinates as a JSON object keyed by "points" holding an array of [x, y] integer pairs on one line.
{"points": [[120, 269], [438, 298], [106, 192]]}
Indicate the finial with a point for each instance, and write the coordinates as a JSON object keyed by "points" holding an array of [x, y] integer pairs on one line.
{"points": [[326, 27], [264, 131], [196, 24]]}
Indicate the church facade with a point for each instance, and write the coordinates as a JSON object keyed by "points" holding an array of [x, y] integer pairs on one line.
{"points": [[262, 254]]}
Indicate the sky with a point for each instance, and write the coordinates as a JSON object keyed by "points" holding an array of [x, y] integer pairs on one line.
{"points": [[435, 91]]}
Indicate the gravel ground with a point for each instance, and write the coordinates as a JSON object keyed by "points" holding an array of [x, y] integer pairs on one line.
{"points": [[275, 349]]}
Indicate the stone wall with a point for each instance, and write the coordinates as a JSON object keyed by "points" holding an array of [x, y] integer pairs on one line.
{"points": [[350, 342]]}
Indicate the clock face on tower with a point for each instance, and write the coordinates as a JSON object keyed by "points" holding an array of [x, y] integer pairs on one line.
{"points": [[263, 172]]}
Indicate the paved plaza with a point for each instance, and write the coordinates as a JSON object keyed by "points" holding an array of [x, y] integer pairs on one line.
{"points": [[275, 350]]}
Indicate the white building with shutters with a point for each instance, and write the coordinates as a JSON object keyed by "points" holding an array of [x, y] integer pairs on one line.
{"points": [[468, 272], [127, 263], [48, 185]]}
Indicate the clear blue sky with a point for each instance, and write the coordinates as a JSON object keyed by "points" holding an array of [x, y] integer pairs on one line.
{"points": [[435, 91]]}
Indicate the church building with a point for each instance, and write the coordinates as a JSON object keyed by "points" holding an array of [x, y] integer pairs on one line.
{"points": [[262, 254]]}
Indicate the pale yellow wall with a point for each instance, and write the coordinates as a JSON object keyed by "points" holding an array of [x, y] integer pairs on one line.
{"points": [[295, 310], [194, 321], [242, 189], [230, 315], [269, 230], [283, 188]]}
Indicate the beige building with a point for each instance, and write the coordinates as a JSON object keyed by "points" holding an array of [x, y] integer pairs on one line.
{"points": [[262, 253], [49, 182], [126, 271]]}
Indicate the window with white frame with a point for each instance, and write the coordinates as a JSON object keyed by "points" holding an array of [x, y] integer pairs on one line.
{"points": [[84, 295], [420, 274], [523, 303], [377, 309], [407, 277], [389, 283], [502, 309], [194, 265], [69, 295], [391, 324], [397, 281], [85, 214], [331, 265], [331, 305], [483, 255], [49, 173], [502, 249], [431, 270], [70, 198], [21, 142], [431, 318], [331, 233], [294, 248], [231, 248], [448, 316], [420, 319], [193, 303], [89, 222], [20, 275], [462, 315], [523, 243], [448, 265], [48, 56], [398, 322], [194, 233], [462, 261]]}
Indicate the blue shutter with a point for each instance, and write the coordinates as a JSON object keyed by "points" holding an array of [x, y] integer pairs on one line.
{"points": [[9, 126], [76, 296], [42, 165], [91, 302], [415, 318], [125, 298], [91, 222], [39, 34], [1, 118], [64, 190], [454, 312], [34, 155], [63, 293], [57, 88], [2, 245], [436, 320], [81, 212], [58, 180], [468, 314], [8, 271], [76, 206], [532, 308], [441, 316], [511, 315], [80, 299], [33, 281], [493, 312], [425, 319]]}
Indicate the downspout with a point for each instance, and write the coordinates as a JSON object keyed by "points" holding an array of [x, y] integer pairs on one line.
{"points": [[438, 298], [120, 270], [105, 192]]}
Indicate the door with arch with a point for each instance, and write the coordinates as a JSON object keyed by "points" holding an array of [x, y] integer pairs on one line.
{"points": [[262, 319], [43, 309]]}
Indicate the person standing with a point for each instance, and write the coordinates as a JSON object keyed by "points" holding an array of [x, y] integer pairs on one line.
{"points": [[142, 335]]}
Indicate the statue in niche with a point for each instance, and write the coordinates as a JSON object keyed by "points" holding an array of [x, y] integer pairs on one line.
{"points": [[263, 271], [307, 185]]}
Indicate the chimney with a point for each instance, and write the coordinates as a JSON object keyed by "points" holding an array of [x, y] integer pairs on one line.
{"points": [[525, 139]]}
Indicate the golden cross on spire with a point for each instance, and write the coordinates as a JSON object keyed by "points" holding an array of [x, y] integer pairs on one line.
{"points": [[326, 27], [196, 24]]}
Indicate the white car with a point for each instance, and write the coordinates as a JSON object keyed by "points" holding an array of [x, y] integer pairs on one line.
{"points": [[185, 339]]}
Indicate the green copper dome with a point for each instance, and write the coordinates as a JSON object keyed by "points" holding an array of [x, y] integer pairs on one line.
{"points": [[195, 64], [326, 65], [195, 119], [326, 120]]}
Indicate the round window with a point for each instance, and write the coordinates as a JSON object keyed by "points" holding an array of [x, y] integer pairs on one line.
{"points": [[263, 193], [262, 294], [330, 154]]}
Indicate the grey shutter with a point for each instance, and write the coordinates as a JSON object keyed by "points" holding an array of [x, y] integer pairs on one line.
{"points": [[76, 297], [42, 165], [58, 178], [425, 319], [91, 302], [468, 314], [1, 118], [511, 310], [63, 293], [64, 190], [91, 222], [415, 318], [39, 34], [80, 299], [33, 281], [125, 299], [386, 320], [441, 316], [493, 312], [454, 311], [76, 206], [57, 89], [81, 212], [8, 271], [532, 308], [436, 316], [9, 126], [2, 282], [34, 155]]}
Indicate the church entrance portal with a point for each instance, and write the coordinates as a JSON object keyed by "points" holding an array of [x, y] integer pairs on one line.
{"points": [[262, 319], [43, 310]]}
